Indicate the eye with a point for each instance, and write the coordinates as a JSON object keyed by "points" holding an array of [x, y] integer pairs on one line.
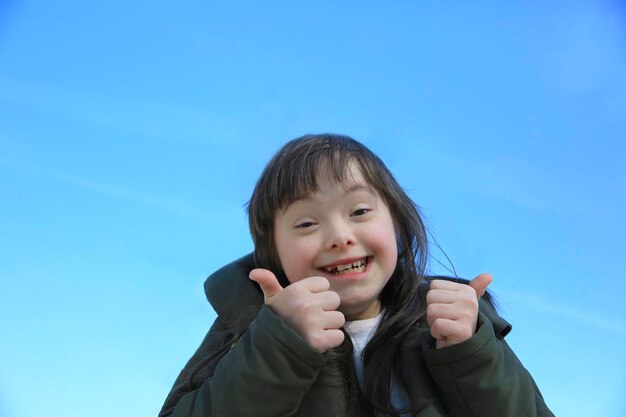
{"points": [[360, 212], [304, 225]]}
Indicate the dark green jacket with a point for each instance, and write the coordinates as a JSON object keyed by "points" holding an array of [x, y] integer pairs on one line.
{"points": [[265, 369]]}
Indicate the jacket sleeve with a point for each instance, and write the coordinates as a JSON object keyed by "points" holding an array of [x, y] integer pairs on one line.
{"points": [[482, 377], [200, 366], [266, 373]]}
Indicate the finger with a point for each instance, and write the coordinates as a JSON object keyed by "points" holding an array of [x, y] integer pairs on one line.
{"points": [[268, 282], [333, 320], [442, 284], [315, 284], [442, 329], [441, 311], [334, 338], [328, 300], [441, 296], [480, 284]]}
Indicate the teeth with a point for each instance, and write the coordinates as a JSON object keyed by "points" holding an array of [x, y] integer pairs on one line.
{"points": [[357, 266]]}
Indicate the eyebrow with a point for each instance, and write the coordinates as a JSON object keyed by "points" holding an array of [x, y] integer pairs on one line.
{"points": [[353, 188], [359, 187]]}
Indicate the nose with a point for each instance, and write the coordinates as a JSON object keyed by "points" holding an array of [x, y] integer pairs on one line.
{"points": [[339, 236]]}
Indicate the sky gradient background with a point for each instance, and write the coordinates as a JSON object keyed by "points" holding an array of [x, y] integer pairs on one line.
{"points": [[132, 133]]}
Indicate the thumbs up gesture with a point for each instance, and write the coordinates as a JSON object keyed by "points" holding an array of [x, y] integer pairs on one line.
{"points": [[307, 305], [452, 309]]}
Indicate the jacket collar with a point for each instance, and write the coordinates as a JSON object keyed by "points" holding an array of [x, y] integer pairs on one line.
{"points": [[229, 289]]}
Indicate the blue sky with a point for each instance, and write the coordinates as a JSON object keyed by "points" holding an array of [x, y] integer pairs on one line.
{"points": [[131, 135]]}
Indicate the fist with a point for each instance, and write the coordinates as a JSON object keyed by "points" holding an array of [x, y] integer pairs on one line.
{"points": [[307, 306], [452, 309]]}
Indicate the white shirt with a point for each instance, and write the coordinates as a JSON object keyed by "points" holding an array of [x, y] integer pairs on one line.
{"points": [[361, 332]]}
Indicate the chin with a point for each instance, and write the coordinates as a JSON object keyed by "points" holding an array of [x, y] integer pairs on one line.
{"points": [[360, 309]]}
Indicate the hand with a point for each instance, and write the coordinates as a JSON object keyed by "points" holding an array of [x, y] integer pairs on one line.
{"points": [[307, 306], [452, 309]]}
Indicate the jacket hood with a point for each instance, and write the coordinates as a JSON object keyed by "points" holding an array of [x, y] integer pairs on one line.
{"points": [[229, 291]]}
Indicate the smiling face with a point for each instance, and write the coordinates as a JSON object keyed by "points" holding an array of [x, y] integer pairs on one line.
{"points": [[343, 232]]}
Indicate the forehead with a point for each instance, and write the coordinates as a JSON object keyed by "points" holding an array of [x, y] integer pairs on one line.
{"points": [[324, 179], [351, 177], [330, 190]]}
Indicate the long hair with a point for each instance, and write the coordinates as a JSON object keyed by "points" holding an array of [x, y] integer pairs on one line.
{"points": [[294, 173]]}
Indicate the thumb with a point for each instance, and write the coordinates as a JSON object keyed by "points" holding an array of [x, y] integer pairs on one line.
{"points": [[480, 284], [268, 282]]}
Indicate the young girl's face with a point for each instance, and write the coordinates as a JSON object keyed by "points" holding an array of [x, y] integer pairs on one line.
{"points": [[343, 232]]}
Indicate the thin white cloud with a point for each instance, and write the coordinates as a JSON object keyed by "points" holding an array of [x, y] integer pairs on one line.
{"points": [[580, 315], [139, 117], [170, 205], [520, 182]]}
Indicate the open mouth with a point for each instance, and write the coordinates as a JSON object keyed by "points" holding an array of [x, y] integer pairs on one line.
{"points": [[351, 268]]}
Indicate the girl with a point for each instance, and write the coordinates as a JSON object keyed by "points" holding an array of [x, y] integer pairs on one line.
{"points": [[334, 316]]}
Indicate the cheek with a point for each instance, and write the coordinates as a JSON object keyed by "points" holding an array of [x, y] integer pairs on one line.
{"points": [[385, 243], [296, 259]]}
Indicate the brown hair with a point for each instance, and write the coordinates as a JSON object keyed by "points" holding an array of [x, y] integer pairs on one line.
{"points": [[293, 173]]}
